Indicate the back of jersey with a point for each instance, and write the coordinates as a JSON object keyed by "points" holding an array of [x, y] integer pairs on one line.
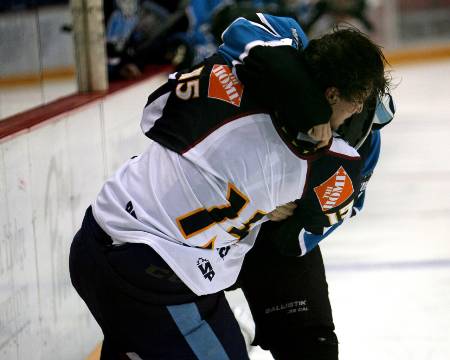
{"points": [[215, 166]]}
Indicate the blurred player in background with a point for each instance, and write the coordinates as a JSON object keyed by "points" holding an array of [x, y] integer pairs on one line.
{"points": [[183, 33], [139, 33], [170, 230]]}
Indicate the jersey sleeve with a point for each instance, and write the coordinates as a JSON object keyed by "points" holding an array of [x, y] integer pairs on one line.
{"points": [[303, 231], [265, 52], [308, 226], [262, 30], [308, 240], [195, 102]]}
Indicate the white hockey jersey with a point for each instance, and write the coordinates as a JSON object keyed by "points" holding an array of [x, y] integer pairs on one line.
{"points": [[216, 164]]}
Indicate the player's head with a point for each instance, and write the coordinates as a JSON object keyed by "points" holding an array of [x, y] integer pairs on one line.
{"points": [[349, 67]]}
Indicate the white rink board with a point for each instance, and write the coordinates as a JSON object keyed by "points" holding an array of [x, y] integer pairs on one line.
{"points": [[48, 177]]}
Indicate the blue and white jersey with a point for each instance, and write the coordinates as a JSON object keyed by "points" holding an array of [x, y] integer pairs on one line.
{"points": [[265, 52], [242, 35]]}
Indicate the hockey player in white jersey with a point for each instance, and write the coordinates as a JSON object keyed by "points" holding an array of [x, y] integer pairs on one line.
{"points": [[170, 229]]}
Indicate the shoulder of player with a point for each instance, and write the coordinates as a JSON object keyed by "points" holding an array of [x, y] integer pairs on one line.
{"points": [[196, 103], [214, 84]]}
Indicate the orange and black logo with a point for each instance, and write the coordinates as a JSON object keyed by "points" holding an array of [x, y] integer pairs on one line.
{"points": [[334, 191], [223, 85]]}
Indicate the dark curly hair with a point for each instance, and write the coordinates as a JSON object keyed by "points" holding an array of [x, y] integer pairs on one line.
{"points": [[348, 60]]}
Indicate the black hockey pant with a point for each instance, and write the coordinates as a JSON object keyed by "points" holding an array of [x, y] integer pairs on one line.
{"points": [[288, 298], [144, 310]]}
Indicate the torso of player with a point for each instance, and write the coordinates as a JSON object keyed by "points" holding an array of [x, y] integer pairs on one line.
{"points": [[214, 167], [207, 201]]}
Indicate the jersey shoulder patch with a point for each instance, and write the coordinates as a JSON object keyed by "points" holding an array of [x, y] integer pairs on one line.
{"points": [[335, 190], [334, 181], [224, 85]]}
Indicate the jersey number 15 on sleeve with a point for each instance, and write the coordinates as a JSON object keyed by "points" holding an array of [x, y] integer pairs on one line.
{"points": [[188, 88]]}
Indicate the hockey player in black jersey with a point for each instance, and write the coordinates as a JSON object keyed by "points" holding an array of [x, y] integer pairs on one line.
{"points": [[169, 231]]}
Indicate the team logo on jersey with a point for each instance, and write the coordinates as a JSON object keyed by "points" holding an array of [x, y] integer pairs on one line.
{"points": [[223, 85], [206, 268], [223, 251], [335, 191]]}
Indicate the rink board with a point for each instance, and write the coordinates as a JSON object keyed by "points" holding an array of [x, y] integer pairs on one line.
{"points": [[49, 174]]}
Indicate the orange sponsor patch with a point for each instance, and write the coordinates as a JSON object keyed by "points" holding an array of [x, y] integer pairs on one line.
{"points": [[333, 192], [223, 85]]}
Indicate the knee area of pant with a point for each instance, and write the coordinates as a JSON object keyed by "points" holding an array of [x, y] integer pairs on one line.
{"points": [[325, 337], [317, 344]]}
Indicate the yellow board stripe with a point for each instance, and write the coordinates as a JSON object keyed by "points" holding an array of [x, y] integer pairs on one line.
{"points": [[394, 57], [418, 54], [33, 78]]}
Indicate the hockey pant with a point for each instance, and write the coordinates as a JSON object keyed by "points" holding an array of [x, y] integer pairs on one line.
{"points": [[143, 309], [288, 298]]}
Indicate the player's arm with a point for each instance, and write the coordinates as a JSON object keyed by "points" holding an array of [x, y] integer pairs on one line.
{"points": [[298, 227], [264, 51], [244, 34], [301, 227], [312, 238], [299, 233]]}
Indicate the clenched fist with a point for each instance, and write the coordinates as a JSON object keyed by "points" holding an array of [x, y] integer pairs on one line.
{"points": [[322, 134], [282, 212]]}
